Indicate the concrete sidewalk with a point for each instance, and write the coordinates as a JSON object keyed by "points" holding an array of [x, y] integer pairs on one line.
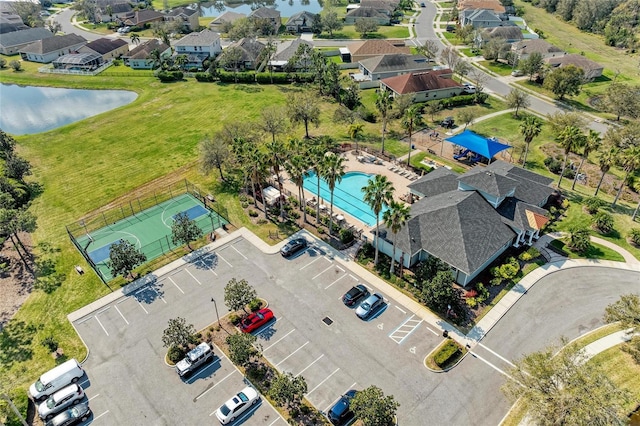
{"points": [[607, 342]]}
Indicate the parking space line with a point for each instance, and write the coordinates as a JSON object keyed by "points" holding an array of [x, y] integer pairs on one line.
{"points": [[94, 396], [103, 329], [125, 320], [314, 261], [432, 331], [336, 400], [224, 260], [277, 341], [84, 320], [192, 276], [266, 328], [97, 417], [327, 287], [292, 353], [239, 252], [401, 310], [354, 278], [177, 286], [102, 310], [145, 311], [124, 299], [274, 421], [498, 355], [222, 380], [208, 267], [322, 382], [305, 369], [325, 270]]}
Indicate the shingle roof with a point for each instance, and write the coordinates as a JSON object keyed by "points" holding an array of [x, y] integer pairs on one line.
{"points": [[304, 15], [421, 82], [459, 227], [396, 62], [494, 5], [203, 38], [250, 47], [181, 11], [106, 45], [16, 38], [521, 215], [54, 43], [574, 59], [510, 32], [286, 49], [376, 47], [143, 50], [532, 188], [527, 47], [366, 12], [228, 16], [489, 182], [436, 182], [119, 8], [481, 15], [265, 12]]}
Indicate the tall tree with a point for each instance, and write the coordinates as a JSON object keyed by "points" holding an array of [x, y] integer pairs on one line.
{"points": [[123, 258], [303, 108], [411, 119], [231, 58], [364, 26], [373, 407], [184, 230], [629, 160], [384, 103], [378, 193], [517, 99], [178, 333], [238, 294], [589, 144], [135, 38], [561, 388], [449, 55], [395, 218], [569, 139], [355, 131], [181, 61], [214, 152], [558, 121], [333, 170], [607, 155], [621, 99], [429, 49], [287, 389], [277, 155], [530, 127], [564, 81], [532, 65], [257, 162], [331, 22], [316, 156], [626, 311], [297, 166]]}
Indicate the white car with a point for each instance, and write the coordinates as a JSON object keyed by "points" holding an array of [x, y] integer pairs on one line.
{"points": [[237, 405], [60, 400], [469, 88]]}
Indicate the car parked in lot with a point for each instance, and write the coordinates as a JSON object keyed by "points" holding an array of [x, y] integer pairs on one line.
{"points": [[256, 320], [74, 415], [355, 295], [60, 400], [448, 123], [293, 247], [339, 413], [230, 410], [369, 305], [196, 357]]}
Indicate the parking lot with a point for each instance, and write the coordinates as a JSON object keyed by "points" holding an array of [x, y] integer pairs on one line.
{"points": [[313, 335]]}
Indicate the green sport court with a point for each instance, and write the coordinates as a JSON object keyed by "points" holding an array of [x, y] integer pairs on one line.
{"points": [[148, 230]]}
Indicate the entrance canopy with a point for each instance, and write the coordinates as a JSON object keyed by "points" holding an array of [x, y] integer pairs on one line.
{"points": [[478, 144]]}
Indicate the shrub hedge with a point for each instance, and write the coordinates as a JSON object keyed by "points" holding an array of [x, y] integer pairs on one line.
{"points": [[446, 353]]}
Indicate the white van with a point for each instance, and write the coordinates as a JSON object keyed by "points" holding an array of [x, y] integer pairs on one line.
{"points": [[55, 379]]}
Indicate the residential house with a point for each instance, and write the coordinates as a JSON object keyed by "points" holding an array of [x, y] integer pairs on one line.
{"points": [[591, 68], [140, 57], [227, 17], [188, 17], [87, 61], [48, 49], [10, 22], [425, 85], [523, 49], [468, 220], [250, 49], [198, 47], [286, 50], [271, 15], [107, 48], [383, 6], [369, 48], [374, 69], [12, 42], [494, 5], [108, 12], [510, 34], [366, 12], [301, 22], [141, 18], [482, 18]]}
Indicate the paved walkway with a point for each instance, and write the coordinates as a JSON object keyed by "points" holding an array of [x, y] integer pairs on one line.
{"points": [[607, 342]]}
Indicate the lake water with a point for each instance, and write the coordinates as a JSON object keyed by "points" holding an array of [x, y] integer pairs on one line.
{"points": [[286, 8], [29, 109]]}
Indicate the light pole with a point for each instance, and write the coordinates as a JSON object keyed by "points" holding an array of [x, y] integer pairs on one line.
{"points": [[215, 305]]}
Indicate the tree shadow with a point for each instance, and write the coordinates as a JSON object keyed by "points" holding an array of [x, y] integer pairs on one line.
{"points": [[15, 342]]}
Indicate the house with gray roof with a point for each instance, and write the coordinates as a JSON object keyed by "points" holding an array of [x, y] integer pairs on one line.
{"points": [[523, 49], [285, 51], [140, 18], [12, 42], [508, 34], [198, 47], [481, 18], [48, 49], [185, 15], [383, 66], [591, 68], [108, 12], [229, 16], [301, 22], [268, 14], [107, 48], [250, 50], [140, 57], [366, 12], [469, 220], [10, 22]]}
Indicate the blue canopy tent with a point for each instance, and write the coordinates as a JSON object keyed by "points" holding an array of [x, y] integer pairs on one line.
{"points": [[478, 144]]}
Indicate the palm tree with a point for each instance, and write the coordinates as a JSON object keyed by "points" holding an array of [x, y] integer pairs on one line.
{"points": [[181, 61], [395, 218], [530, 127], [316, 157], [630, 162], [606, 157], [332, 172], [277, 155], [378, 193], [297, 167], [135, 38], [569, 139], [355, 131], [257, 164], [384, 103], [156, 58], [410, 120], [636, 185], [590, 143]]}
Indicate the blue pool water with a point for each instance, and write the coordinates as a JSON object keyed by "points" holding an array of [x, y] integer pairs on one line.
{"points": [[347, 195]]}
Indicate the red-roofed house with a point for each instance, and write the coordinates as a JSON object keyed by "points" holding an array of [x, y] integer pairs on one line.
{"points": [[425, 86]]}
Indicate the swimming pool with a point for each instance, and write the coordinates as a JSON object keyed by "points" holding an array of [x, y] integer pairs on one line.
{"points": [[347, 195]]}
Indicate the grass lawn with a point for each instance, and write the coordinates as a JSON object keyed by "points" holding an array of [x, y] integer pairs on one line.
{"points": [[384, 32], [622, 370], [497, 67], [596, 251]]}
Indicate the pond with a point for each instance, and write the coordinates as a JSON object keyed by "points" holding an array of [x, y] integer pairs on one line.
{"points": [[29, 109], [287, 8]]}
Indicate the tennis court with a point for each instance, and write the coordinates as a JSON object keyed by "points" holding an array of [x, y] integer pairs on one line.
{"points": [[148, 230]]}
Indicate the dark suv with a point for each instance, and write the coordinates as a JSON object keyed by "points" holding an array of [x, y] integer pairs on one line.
{"points": [[448, 123], [339, 413], [355, 295]]}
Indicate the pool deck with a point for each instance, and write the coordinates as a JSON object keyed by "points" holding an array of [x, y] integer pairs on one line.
{"points": [[352, 164]]}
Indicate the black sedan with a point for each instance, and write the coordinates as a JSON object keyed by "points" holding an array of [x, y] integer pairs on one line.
{"points": [[74, 415], [355, 295], [339, 413], [293, 247]]}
